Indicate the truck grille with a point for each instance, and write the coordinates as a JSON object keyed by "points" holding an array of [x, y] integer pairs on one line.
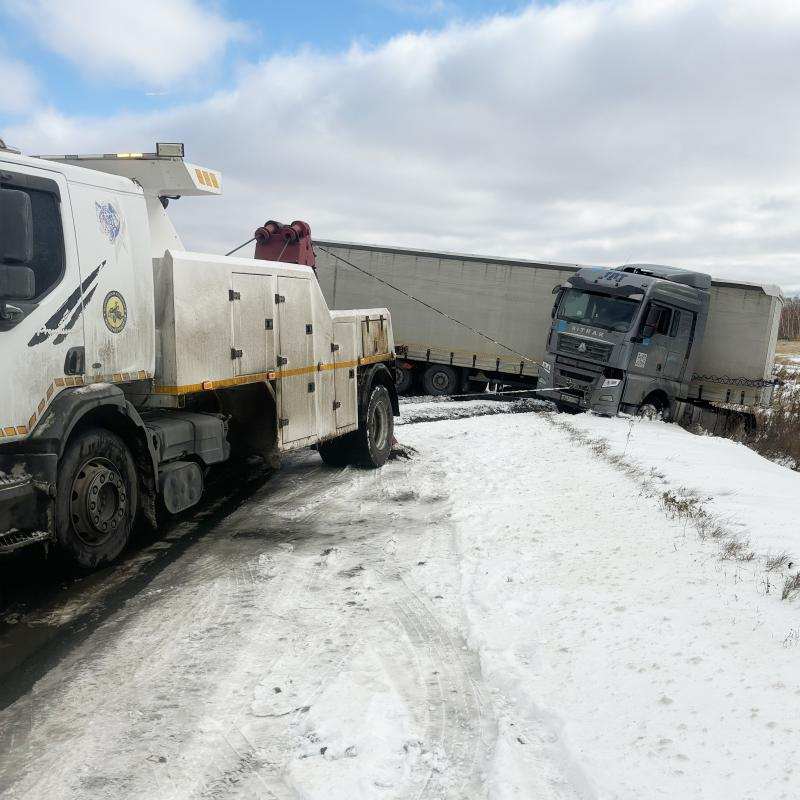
{"points": [[599, 351]]}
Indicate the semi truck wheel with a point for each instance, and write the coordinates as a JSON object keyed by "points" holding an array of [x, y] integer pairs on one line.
{"points": [[97, 498], [654, 408], [439, 379], [403, 378], [370, 445]]}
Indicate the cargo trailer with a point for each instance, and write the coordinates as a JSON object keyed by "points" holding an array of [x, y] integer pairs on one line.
{"points": [[641, 338], [508, 300]]}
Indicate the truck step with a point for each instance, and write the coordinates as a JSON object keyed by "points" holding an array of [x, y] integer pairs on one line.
{"points": [[14, 540]]}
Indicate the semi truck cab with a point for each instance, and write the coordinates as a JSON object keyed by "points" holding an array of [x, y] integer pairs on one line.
{"points": [[625, 339]]}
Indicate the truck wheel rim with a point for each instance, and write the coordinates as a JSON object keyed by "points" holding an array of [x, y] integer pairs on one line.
{"points": [[440, 381], [98, 501], [379, 425]]}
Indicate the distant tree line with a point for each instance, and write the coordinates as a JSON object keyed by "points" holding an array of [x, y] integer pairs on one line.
{"points": [[789, 327]]}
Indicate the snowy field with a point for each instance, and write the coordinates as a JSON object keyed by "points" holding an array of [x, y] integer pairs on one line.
{"points": [[532, 606]]}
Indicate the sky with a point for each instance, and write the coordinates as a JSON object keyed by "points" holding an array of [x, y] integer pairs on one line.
{"points": [[592, 131]]}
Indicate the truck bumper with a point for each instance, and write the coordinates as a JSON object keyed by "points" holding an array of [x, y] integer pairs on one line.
{"points": [[578, 385], [25, 500]]}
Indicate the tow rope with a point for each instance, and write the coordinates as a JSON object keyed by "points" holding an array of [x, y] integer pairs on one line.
{"points": [[430, 307]]}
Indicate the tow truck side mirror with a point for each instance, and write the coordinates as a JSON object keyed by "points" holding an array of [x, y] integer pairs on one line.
{"points": [[17, 280]]}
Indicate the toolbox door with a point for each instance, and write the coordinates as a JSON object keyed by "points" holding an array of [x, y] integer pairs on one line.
{"points": [[297, 371], [253, 318], [345, 356]]}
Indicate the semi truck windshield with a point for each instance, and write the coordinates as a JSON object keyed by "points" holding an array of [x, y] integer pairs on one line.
{"points": [[587, 308]]}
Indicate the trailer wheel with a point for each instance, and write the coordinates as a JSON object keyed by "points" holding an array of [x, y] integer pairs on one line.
{"points": [[439, 379], [370, 445], [403, 378], [96, 499]]}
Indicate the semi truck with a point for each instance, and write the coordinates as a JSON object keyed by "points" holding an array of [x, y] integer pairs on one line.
{"points": [[641, 338], [133, 366], [662, 341]]}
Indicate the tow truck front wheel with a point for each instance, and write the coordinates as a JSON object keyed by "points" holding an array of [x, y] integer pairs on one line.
{"points": [[97, 498]]}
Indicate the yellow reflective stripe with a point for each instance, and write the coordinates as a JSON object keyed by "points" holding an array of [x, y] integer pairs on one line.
{"points": [[258, 377]]}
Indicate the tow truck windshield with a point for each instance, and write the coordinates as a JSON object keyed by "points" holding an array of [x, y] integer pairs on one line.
{"points": [[600, 310]]}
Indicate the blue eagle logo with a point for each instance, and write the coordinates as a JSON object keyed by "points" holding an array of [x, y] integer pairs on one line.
{"points": [[108, 217]]}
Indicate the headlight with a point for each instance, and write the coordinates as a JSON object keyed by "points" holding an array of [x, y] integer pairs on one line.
{"points": [[610, 383], [545, 366]]}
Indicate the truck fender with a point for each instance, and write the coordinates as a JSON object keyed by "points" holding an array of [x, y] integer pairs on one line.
{"points": [[104, 405], [378, 374]]}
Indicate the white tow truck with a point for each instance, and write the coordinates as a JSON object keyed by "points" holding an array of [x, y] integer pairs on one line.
{"points": [[131, 366]]}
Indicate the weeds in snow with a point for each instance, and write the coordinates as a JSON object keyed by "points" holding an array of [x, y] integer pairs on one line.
{"points": [[736, 550], [791, 587], [683, 505], [774, 563]]}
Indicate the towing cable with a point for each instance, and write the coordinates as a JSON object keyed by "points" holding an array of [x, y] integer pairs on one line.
{"points": [[430, 307], [426, 305]]}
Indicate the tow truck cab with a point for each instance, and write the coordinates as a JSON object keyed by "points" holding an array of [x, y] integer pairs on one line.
{"points": [[626, 338]]}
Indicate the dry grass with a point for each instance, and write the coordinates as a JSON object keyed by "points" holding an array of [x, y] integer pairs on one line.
{"points": [[774, 563], [789, 327], [791, 587], [777, 433]]}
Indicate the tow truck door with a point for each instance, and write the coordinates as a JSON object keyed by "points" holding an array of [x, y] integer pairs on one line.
{"points": [[45, 334]]}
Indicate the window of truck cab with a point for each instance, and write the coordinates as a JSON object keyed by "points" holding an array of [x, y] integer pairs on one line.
{"points": [[48, 262], [602, 310]]}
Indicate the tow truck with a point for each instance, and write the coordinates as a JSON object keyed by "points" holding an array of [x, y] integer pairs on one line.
{"points": [[133, 366]]}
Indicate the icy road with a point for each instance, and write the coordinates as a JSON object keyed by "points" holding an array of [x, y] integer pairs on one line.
{"points": [[532, 606]]}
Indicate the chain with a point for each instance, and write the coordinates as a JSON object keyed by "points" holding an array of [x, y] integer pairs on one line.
{"points": [[753, 383]]}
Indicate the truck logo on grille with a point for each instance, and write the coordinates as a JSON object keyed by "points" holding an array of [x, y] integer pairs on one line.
{"points": [[582, 347]]}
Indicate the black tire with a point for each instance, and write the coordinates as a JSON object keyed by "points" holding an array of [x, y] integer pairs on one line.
{"points": [[97, 498], [653, 409], [403, 378], [376, 431], [439, 380], [338, 452], [370, 445]]}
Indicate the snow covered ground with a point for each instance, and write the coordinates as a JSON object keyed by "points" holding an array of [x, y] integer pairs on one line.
{"points": [[532, 606]]}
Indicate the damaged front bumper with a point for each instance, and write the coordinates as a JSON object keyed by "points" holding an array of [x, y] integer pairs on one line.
{"points": [[581, 385]]}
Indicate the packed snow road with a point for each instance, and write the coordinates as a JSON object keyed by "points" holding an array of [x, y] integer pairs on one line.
{"points": [[532, 606]]}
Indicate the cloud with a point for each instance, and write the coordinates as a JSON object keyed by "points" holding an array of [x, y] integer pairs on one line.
{"points": [[419, 8], [599, 132], [118, 42], [18, 87]]}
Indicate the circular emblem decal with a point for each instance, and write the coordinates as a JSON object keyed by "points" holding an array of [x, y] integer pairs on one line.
{"points": [[115, 312]]}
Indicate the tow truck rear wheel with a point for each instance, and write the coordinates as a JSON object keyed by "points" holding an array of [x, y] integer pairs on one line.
{"points": [[96, 499], [370, 445]]}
